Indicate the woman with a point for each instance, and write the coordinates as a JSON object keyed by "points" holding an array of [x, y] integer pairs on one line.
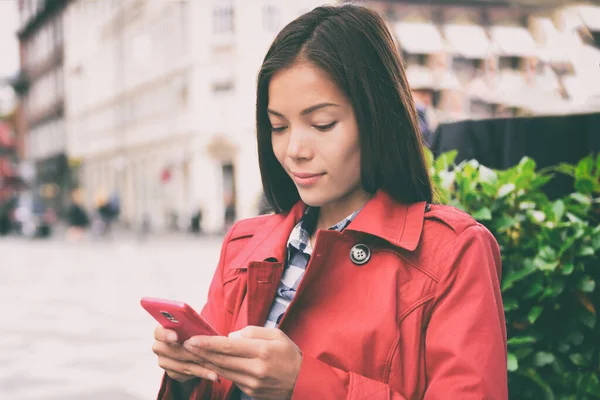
{"points": [[357, 287]]}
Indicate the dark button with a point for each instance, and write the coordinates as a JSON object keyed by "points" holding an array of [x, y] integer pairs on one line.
{"points": [[279, 318], [360, 254]]}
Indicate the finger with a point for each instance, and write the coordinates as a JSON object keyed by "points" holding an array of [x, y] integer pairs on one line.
{"points": [[248, 348], [179, 377], [165, 335], [186, 368], [228, 362], [258, 332], [243, 379], [176, 352]]}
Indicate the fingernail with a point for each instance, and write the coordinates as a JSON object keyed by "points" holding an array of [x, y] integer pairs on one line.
{"points": [[212, 377], [235, 335], [193, 342], [172, 337]]}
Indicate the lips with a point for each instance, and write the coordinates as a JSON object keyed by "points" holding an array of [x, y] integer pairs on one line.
{"points": [[305, 178]]}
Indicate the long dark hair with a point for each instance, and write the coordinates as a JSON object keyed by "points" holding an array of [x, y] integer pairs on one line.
{"points": [[353, 45]]}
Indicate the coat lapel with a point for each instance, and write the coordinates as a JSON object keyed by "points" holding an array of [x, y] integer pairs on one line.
{"points": [[264, 258]]}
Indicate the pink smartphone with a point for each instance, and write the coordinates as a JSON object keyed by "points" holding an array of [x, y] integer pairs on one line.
{"points": [[178, 316]]}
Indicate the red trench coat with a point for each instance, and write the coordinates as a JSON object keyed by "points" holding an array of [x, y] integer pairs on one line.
{"points": [[423, 319]]}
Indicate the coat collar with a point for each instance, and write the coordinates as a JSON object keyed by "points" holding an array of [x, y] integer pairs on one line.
{"points": [[397, 223]]}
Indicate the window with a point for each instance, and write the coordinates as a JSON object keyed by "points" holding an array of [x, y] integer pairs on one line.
{"points": [[271, 18], [223, 18], [224, 86]]}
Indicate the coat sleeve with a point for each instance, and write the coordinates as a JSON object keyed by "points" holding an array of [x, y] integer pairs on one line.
{"points": [[205, 389], [465, 339]]}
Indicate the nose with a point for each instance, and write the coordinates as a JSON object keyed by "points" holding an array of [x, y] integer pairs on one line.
{"points": [[299, 145]]}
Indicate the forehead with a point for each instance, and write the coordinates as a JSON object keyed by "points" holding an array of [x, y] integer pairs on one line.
{"points": [[303, 85]]}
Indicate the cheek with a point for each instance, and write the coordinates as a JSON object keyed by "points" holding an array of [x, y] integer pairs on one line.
{"points": [[279, 147]]}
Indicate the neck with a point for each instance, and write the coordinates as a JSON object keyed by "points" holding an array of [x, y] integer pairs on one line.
{"points": [[332, 213]]}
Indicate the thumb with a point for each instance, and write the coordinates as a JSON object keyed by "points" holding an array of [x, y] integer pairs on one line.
{"points": [[257, 332]]}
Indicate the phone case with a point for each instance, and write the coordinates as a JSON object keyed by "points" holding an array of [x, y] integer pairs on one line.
{"points": [[178, 316]]}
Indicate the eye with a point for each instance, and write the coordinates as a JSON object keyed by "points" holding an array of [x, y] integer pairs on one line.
{"points": [[278, 129], [325, 128]]}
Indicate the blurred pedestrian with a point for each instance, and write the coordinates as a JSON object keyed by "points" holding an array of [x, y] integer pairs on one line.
{"points": [[196, 222], [358, 286], [77, 218]]}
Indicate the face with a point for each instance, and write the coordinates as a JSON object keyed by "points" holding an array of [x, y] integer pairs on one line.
{"points": [[315, 137]]}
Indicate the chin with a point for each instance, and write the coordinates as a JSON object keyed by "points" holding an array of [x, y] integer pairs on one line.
{"points": [[313, 199]]}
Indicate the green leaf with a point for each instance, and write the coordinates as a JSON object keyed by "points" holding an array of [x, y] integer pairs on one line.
{"points": [[580, 198], [527, 164], [483, 214], [588, 319], [584, 167], [487, 175], [547, 253], [506, 189], [504, 222], [534, 314], [585, 185], [538, 380], [513, 363], [543, 265], [586, 251], [540, 181], [446, 160], [596, 241], [575, 337], [578, 360], [510, 304], [566, 169], [587, 285], [567, 269], [519, 340], [543, 358], [515, 276], [558, 208], [527, 205], [534, 289]]}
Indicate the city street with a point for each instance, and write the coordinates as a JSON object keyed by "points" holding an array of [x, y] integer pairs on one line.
{"points": [[72, 327]]}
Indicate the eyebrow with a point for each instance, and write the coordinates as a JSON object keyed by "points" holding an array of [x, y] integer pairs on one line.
{"points": [[307, 110]]}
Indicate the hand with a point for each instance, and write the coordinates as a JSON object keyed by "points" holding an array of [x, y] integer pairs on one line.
{"points": [[263, 362], [177, 362]]}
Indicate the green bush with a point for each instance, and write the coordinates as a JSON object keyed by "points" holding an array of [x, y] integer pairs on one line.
{"points": [[551, 264]]}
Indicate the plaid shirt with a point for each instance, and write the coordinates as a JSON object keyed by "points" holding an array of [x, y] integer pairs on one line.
{"points": [[298, 255]]}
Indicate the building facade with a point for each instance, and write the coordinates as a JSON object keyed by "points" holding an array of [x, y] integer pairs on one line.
{"points": [[160, 105], [160, 94], [41, 88]]}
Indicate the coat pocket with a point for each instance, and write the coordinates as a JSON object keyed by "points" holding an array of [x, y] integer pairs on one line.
{"points": [[234, 289]]}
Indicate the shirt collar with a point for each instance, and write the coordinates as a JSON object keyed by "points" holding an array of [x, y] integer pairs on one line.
{"points": [[300, 236]]}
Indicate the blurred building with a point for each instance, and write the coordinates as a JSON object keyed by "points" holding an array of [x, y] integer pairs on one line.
{"points": [[160, 94], [498, 58], [10, 181], [41, 89], [160, 105]]}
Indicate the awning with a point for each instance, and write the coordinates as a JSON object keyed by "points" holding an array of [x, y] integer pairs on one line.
{"points": [[419, 37], [420, 77], [506, 88], [590, 16], [513, 41], [557, 46], [468, 41]]}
